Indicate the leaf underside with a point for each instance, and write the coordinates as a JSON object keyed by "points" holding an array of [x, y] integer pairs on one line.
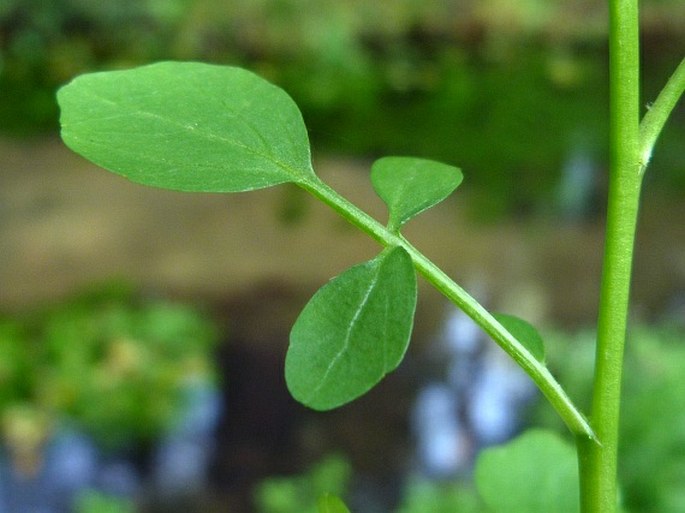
{"points": [[411, 185], [353, 331], [187, 126]]}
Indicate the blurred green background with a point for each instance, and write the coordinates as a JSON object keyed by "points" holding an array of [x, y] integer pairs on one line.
{"points": [[502, 88], [513, 92]]}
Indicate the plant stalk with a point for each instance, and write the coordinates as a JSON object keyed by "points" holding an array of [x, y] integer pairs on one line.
{"points": [[598, 462]]}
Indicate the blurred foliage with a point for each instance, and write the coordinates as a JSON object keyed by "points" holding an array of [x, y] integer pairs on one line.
{"points": [[437, 497], [506, 90], [95, 502], [298, 494], [301, 493], [112, 363], [509, 478], [652, 459], [43, 44]]}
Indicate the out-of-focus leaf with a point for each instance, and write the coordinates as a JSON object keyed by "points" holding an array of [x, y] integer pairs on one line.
{"points": [[535, 473], [328, 503]]}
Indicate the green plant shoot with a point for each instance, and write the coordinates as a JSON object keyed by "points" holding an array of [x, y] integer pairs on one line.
{"points": [[200, 127]]}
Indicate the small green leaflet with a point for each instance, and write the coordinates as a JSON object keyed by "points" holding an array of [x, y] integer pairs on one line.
{"points": [[525, 333], [329, 503], [535, 473], [411, 185], [187, 126], [353, 331]]}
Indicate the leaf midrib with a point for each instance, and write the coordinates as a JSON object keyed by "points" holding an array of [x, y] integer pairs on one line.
{"points": [[348, 333], [297, 176]]}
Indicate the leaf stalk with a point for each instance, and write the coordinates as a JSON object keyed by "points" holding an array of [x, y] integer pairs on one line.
{"points": [[657, 114], [540, 375]]}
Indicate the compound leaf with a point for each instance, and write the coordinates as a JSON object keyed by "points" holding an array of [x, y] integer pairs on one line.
{"points": [[535, 473], [525, 333], [187, 126], [353, 331], [411, 185]]}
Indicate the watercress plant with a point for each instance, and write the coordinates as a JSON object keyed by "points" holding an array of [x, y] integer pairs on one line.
{"points": [[191, 126], [199, 127]]}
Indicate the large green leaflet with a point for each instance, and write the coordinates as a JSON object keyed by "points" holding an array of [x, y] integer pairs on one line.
{"points": [[187, 126], [353, 331], [411, 185], [535, 473]]}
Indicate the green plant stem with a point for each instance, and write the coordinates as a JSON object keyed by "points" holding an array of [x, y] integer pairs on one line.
{"points": [[538, 372], [570, 414], [655, 118], [598, 462]]}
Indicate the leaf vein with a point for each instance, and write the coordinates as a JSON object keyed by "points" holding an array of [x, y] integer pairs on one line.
{"points": [[210, 136], [348, 334]]}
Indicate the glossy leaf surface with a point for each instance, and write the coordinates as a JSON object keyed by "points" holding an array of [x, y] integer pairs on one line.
{"points": [[524, 333], [411, 185], [187, 126], [329, 503], [535, 473], [353, 331]]}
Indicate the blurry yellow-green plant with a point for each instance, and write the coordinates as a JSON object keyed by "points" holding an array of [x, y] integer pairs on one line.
{"points": [[113, 365]]}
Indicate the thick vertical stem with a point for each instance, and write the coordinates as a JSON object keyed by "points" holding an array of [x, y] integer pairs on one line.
{"points": [[598, 462]]}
